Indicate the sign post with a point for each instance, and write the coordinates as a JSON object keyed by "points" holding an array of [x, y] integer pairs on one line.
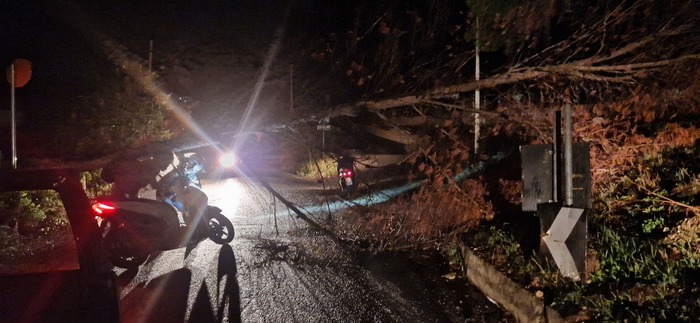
{"points": [[323, 128], [12, 116], [18, 74], [557, 184]]}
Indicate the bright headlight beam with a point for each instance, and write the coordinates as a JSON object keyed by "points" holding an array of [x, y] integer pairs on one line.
{"points": [[228, 160]]}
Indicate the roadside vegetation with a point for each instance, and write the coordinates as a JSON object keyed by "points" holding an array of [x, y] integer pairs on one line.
{"points": [[630, 70], [32, 221], [404, 72], [319, 169], [24, 218]]}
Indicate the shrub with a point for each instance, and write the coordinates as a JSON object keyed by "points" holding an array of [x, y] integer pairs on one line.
{"points": [[318, 168]]}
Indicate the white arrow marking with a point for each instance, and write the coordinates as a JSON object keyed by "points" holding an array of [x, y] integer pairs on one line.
{"points": [[555, 239]]}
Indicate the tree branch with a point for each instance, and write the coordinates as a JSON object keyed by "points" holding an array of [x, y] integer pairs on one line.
{"points": [[507, 78]]}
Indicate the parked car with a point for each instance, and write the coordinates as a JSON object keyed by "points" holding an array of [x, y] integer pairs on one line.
{"points": [[232, 154], [52, 266], [219, 160]]}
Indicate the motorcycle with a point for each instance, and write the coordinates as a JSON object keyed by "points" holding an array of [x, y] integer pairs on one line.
{"points": [[346, 175], [133, 228], [346, 181]]}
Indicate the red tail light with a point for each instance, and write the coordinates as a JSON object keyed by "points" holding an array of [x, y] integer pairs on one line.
{"points": [[103, 208]]}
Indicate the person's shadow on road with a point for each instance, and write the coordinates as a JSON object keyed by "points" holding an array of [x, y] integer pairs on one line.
{"points": [[165, 298], [227, 293]]}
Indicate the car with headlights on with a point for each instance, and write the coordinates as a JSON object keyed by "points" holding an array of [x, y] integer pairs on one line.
{"points": [[219, 161], [232, 155]]}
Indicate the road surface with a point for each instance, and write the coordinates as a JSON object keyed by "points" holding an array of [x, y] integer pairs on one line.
{"points": [[276, 270]]}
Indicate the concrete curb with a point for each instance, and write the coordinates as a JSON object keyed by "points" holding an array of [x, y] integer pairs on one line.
{"points": [[524, 306]]}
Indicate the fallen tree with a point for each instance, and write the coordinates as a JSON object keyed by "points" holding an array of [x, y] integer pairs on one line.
{"points": [[627, 63]]}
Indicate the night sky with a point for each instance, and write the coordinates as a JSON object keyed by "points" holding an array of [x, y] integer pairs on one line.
{"points": [[66, 65]]}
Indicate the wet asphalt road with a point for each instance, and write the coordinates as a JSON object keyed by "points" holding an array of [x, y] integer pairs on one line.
{"points": [[275, 271]]}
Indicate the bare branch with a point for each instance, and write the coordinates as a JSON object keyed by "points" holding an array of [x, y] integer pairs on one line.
{"points": [[492, 82], [462, 108], [573, 70], [638, 66]]}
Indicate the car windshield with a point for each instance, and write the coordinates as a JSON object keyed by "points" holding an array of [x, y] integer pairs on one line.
{"points": [[35, 234]]}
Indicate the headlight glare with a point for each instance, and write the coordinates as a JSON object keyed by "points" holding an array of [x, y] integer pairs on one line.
{"points": [[228, 159]]}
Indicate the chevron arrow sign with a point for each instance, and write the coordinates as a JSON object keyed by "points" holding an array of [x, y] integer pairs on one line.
{"points": [[555, 239]]}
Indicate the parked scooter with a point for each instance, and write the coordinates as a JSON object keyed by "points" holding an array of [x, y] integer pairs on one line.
{"points": [[133, 228]]}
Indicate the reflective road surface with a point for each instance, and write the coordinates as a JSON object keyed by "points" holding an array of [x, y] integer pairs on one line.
{"points": [[275, 270]]}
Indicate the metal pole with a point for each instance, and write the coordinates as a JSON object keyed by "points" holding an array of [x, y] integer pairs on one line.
{"points": [[12, 116], [556, 156], [568, 155], [477, 93], [291, 86]]}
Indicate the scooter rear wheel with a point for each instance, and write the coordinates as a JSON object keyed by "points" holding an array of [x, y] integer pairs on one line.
{"points": [[122, 252], [220, 228]]}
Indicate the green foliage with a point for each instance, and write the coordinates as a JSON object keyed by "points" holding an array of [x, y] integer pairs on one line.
{"points": [[451, 251], [653, 197], [651, 225], [39, 205], [645, 237], [317, 168], [94, 185], [636, 281], [502, 248], [639, 272], [632, 260], [34, 207]]}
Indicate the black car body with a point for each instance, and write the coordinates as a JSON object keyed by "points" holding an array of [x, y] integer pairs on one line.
{"points": [[50, 290]]}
